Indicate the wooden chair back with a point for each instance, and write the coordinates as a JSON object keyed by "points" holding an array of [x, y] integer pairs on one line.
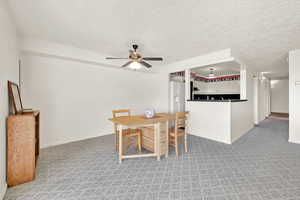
{"points": [[129, 132], [119, 112], [123, 112], [181, 121]]}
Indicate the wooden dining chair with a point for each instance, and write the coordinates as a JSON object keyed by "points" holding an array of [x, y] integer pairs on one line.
{"points": [[127, 133], [179, 130]]}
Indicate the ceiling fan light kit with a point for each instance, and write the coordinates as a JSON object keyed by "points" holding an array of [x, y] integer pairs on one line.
{"points": [[136, 61], [135, 65]]}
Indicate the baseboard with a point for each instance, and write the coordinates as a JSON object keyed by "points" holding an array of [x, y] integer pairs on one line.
{"points": [[211, 139], [3, 189], [294, 142], [70, 141], [279, 113]]}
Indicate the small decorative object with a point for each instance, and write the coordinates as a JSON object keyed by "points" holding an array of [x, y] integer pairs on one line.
{"points": [[149, 113]]}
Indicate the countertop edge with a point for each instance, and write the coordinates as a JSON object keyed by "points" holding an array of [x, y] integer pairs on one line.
{"points": [[232, 101]]}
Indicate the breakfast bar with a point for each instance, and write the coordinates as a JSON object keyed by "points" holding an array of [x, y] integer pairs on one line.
{"points": [[219, 120]]}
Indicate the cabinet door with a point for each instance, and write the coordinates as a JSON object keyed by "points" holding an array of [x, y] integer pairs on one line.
{"points": [[21, 149]]}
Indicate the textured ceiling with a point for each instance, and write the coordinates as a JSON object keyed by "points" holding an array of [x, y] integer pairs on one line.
{"points": [[260, 32]]}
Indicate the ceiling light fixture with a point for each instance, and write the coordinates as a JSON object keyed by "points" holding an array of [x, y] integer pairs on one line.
{"points": [[135, 65]]}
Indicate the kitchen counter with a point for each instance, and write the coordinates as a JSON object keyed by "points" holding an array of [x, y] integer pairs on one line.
{"points": [[225, 100], [220, 120]]}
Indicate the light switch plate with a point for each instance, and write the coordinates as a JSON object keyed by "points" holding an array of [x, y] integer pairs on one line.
{"points": [[297, 82]]}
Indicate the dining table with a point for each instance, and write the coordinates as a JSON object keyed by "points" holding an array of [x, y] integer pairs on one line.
{"points": [[160, 122]]}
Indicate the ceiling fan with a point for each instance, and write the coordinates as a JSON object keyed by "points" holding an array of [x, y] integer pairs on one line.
{"points": [[136, 61]]}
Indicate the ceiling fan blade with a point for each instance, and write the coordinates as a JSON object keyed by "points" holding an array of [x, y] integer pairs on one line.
{"points": [[126, 64], [114, 58], [145, 64], [153, 58]]}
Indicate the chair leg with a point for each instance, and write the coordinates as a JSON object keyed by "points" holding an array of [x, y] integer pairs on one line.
{"points": [[185, 143], [139, 142], [116, 141], [176, 145]]}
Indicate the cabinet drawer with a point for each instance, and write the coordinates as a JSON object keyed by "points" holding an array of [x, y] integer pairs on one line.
{"points": [[148, 143], [148, 132]]}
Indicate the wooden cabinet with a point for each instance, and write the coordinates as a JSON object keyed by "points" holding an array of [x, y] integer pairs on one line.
{"points": [[148, 138], [22, 147]]}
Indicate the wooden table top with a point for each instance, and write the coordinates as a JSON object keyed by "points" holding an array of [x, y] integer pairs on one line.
{"points": [[140, 119]]}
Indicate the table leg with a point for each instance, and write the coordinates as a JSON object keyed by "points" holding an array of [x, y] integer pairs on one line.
{"points": [[157, 132], [120, 143]]}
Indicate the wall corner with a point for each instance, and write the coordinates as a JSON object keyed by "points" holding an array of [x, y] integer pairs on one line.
{"points": [[3, 189]]}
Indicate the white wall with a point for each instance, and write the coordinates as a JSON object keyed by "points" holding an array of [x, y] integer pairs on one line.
{"points": [[241, 120], [256, 99], [210, 120], [294, 96], [280, 96], [265, 98], [76, 99], [216, 57], [220, 121], [247, 92], [262, 98], [76, 91], [244, 79], [268, 98], [8, 71]]}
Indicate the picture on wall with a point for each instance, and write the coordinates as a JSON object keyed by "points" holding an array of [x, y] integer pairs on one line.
{"points": [[14, 97]]}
